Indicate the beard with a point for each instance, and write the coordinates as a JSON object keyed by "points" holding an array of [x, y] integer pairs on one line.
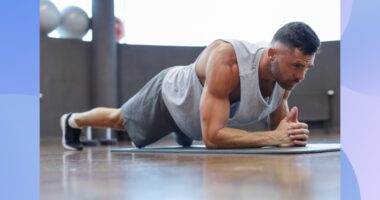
{"points": [[278, 76], [288, 85]]}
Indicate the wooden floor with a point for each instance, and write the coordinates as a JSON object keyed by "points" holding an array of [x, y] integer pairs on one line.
{"points": [[96, 173]]}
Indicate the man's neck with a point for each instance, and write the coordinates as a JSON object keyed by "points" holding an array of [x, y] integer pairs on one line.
{"points": [[265, 74], [266, 79]]}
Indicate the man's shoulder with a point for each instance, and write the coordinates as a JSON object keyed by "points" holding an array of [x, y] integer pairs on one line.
{"points": [[222, 46], [223, 51]]}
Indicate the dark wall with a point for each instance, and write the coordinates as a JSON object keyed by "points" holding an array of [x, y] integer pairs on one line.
{"points": [[138, 64], [66, 64], [65, 74], [64, 81], [311, 95]]}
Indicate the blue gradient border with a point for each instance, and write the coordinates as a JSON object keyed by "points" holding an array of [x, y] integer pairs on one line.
{"points": [[19, 99], [360, 68]]}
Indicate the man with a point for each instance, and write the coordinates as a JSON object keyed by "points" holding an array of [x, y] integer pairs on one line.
{"points": [[232, 83]]}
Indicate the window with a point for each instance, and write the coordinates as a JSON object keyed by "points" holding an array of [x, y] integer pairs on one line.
{"points": [[199, 22]]}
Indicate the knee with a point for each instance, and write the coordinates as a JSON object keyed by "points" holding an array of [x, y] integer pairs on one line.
{"points": [[182, 139], [116, 118]]}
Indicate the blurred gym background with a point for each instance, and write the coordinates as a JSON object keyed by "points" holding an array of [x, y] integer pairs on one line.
{"points": [[99, 53]]}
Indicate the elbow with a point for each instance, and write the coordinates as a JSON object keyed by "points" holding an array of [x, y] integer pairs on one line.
{"points": [[211, 141], [210, 145]]}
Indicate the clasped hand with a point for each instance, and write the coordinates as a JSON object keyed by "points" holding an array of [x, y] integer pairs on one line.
{"points": [[291, 132]]}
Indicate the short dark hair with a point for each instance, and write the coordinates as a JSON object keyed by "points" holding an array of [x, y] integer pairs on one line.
{"points": [[298, 35]]}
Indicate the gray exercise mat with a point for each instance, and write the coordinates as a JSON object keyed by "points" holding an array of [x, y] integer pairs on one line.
{"points": [[200, 149]]}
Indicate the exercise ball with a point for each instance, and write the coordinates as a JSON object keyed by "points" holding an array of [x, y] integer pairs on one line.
{"points": [[74, 22], [119, 29], [49, 17]]}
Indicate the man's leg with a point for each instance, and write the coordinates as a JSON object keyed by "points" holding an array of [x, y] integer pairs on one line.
{"points": [[72, 123], [99, 118], [182, 139]]}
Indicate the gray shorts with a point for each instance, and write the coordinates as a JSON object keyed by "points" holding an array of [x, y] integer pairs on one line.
{"points": [[146, 118]]}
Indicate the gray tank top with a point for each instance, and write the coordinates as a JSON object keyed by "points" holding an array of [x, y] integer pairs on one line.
{"points": [[182, 90]]}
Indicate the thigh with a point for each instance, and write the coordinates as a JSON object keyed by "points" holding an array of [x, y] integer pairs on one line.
{"points": [[146, 118]]}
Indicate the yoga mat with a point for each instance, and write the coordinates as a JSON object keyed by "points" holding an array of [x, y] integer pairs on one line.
{"points": [[200, 149]]}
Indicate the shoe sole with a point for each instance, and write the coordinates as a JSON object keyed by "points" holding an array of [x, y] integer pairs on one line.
{"points": [[63, 128]]}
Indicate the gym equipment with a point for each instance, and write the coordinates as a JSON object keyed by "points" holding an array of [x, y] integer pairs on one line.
{"points": [[50, 17], [89, 141], [108, 140], [74, 23], [328, 124], [200, 149]]}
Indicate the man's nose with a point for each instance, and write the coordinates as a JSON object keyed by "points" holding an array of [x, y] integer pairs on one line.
{"points": [[301, 75]]}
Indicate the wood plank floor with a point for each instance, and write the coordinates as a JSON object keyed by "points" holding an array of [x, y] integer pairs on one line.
{"points": [[96, 173]]}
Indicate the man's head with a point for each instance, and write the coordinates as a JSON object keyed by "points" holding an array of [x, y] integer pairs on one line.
{"points": [[292, 53]]}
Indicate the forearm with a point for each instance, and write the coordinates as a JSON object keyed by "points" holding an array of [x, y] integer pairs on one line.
{"points": [[237, 138], [279, 114], [274, 121]]}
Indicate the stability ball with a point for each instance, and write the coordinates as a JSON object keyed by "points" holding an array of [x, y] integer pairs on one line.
{"points": [[49, 17], [74, 22]]}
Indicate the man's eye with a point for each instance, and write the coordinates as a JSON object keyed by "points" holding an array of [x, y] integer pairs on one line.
{"points": [[297, 66]]}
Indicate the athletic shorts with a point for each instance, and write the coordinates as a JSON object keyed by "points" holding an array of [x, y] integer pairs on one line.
{"points": [[146, 118]]}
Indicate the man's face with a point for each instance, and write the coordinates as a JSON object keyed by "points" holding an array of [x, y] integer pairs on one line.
{"points": [[289, 67]]}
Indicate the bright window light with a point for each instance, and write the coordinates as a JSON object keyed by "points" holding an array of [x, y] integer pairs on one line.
{"points": [[199, 22]]}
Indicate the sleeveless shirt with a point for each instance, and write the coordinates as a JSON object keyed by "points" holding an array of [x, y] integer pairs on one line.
{"points": [[182, 90]]}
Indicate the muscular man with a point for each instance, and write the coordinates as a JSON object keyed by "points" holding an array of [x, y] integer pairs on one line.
{"points": [[231, 84]]}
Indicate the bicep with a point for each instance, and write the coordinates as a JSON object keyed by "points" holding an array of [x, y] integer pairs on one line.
{"points": [[221, 79]]}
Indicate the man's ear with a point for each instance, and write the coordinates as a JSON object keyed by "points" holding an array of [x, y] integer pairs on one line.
{"points": [[271, 53]]}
